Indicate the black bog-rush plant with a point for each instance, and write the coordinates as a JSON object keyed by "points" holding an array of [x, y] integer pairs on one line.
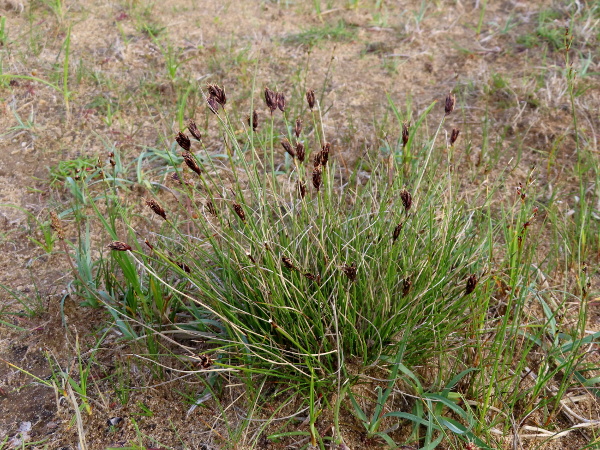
{"points": [[296, 273]]}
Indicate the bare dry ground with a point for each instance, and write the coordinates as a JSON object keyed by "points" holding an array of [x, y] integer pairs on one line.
{"points": [[124, 87]]}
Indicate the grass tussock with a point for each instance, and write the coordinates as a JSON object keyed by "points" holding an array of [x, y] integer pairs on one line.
{"points": [[290, 266]]}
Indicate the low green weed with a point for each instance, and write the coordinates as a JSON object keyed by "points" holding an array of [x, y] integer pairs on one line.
{"points": [[339, 31]]}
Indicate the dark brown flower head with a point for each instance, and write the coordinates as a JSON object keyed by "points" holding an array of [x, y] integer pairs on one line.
{"points": [[298, 127], [396, 232], [471, 283], [190, 161], [521, 191], [312, 277], [325, 153], [179, 179], [119, 246], [301, 185], [406, 285], [217, 93], [350, 271], [239, 211], [288, 148], [253, 120], [450, 101], [271, 100], [300, 153], [405, 133], [406, 199], [56, 225], [112, 162], [210, 207], [317, 160], [204, 361], [176, 178], [213, 105], [182, 266], [183, 141], [287, 262], [317, 178], [158, 210], [454, 135], [193, 129], [250, 257], [280, 101], [310, 98]]}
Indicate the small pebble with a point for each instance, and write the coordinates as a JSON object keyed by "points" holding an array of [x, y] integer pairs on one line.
{"points": [[114, 421]]}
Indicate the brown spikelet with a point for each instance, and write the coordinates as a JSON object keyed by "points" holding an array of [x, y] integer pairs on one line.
{"points": [[300, 153], [521, 191], [405, 133], [287, 262], [177, 179], [250, 257], [253, 120], [182, 266], [471, 283], [119, 246], [239, 211], [325, 153], [298, 127], [183, 141], [204, 361], [288, 148], [301, 185], [406, 199], [147, 242], [397, 231], [312, 277], [449, 105], [406, 285], [217, 93], [213, 105], [454, 135], [193, 129], [310, 98], [350, 271], [280, 101], [211, 208], [270, 100], [158, 210], [317, 160], [112, 162], [57, 226], [317, 178], [190, 161]]}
